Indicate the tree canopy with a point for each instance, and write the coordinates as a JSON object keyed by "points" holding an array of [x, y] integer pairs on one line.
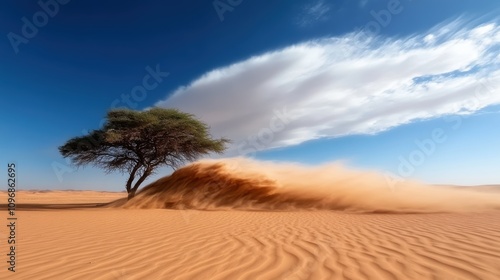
{"points": [[138, 142]]}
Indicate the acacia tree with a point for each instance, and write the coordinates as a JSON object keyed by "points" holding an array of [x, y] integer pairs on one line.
{"points": [[138, 142]]}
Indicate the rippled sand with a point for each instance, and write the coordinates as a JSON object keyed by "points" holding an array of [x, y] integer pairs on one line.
{"points": [[63, 235]]}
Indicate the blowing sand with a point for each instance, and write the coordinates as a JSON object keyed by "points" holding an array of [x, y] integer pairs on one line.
{"points": [[239, 183], [69, 235]]}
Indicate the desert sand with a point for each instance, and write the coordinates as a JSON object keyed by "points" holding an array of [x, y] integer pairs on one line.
{"points": [[93, 243], [76, 235]]}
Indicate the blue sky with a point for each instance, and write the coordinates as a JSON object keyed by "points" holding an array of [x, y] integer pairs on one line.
{"points": [[409, 88]]}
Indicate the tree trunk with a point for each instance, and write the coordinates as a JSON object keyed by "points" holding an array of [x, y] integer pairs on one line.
{"points": [[131, 194], [130, 191]]}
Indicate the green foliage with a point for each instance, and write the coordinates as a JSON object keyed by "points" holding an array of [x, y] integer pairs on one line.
{"points": [[137, 142]]}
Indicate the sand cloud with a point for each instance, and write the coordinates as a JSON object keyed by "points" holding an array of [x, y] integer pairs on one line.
{"points": [[346, 85], [240, 183]]}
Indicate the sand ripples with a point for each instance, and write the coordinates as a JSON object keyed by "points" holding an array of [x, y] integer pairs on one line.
{"points": [[188, 244]]}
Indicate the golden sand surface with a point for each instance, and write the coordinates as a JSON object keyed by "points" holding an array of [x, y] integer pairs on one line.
{"points": [[65, 235]]}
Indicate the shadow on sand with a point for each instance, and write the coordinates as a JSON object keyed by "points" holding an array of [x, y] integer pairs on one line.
{"points": [[41, 207]]}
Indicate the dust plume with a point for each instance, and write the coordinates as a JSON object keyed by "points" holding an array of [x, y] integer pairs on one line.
{"points": [[240, 183]]}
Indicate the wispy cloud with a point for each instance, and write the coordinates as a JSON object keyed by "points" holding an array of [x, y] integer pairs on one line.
{"points": [[314, 12], [362, 3], [344, 85]]}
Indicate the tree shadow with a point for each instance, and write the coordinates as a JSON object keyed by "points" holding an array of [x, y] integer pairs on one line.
{"points": [[51, 206]]}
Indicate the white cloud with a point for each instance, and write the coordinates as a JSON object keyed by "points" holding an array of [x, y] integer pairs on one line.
{"points": [[314, 12], [342, 86]]}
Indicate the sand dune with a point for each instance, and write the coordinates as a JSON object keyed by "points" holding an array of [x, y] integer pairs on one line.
{"points": [[246, 184]]}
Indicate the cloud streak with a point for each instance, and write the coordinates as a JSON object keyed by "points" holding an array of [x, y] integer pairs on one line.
{"points": [[312, 13], [346, 85]]}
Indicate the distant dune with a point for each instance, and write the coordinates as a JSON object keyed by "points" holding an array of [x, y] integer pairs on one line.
{"points": [[482, 188], [62, 197]]}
